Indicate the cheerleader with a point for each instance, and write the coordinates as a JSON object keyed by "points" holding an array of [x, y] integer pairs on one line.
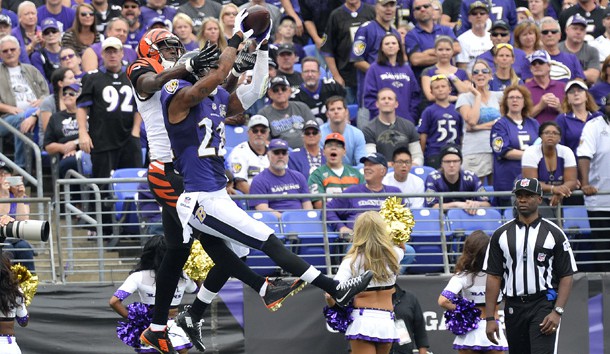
{"points": [[12, 305], [469, 283], [372, 329], [143, 280]]}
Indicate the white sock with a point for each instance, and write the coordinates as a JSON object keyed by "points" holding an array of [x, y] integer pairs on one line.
{"points": [[157, 327], [310, 274], [263, 289], [205, 295]]}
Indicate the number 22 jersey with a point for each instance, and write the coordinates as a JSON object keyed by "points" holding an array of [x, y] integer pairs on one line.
{"points": [[198, 141]]}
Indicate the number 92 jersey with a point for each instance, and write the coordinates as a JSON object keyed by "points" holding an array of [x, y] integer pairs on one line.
{"points": [[198, 141], [111, 108]]}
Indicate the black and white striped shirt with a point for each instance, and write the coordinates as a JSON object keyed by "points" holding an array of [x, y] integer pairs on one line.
{"points": [[528, 270]]}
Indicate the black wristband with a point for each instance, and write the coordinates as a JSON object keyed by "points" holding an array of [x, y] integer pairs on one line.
{"points": [[264, 46], [490, 318], [235, 41]]}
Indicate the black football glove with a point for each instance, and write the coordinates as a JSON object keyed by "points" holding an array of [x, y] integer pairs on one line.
{"points": [[244, 62], [206, 59]]}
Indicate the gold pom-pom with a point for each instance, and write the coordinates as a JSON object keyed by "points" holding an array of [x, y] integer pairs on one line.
{"points": [[198, 264], [399, 219], [27, 282]]}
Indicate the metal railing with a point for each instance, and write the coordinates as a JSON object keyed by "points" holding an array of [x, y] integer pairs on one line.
{"points": [[94, 257]]}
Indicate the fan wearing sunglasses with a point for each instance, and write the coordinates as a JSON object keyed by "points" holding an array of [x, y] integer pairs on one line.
{"points": [[46, 58], [279, 179], [499, 33], [566, 66], [83, 32], [505, 8], [286, 118], [61, 135], [14, 107], [476, 40]]}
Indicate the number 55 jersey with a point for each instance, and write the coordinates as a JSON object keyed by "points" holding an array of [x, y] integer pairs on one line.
{"points": [[198, 141]]}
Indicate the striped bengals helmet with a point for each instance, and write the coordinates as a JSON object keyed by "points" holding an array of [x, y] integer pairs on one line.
{"points": [[159, 38]]}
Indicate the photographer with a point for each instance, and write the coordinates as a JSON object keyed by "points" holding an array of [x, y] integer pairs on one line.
{"points": [[12, 187]]}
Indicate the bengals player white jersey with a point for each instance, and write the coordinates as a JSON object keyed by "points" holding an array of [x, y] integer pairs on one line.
{"points": [[150, 109]]}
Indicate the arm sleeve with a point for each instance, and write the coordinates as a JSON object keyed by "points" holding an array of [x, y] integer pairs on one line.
{"points": [[359, 46], [50, 135], [304, 188], [494, 258], [455, 285], [578, 73], [431, 188], [85, 98], [315, 184], [369, 134], [568, 156], [563, 257], [500, 140], [588, 143], [416, 94], [239, 164], [21, 310], [370, 91], [359, 146], [129, 286]]}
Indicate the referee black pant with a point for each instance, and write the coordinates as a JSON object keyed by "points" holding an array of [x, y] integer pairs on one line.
{"points": [[523, 321]]}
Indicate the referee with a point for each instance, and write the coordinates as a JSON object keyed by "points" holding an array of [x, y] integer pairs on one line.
{"points": [[532, 259]]}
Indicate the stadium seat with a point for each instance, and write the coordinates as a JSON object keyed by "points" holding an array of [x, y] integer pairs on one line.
{"points": [[353, 112], [83, 163], [310, 50], [422, 171], [576, 220], [297, 67], [257, 260], [462, 223], [306, 226], [124, 193], [508, 214], [426, 239], [234, 135]]}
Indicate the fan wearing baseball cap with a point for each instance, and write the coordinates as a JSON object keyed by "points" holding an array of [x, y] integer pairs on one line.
{"points": [[308, 158], [341, 212], [278, 179], [249, 158], [333, 177], [575, 44], [452, 178]]}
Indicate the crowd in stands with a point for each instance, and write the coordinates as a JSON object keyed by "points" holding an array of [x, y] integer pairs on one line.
{"points": [[360, 92]]}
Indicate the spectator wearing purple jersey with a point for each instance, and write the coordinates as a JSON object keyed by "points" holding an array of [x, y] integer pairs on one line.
{"points": [[553, 164], [504, 75], [579, 107], [547, 93], [92, 56], [420, 40], [505, 8], [55, 9], [367, 43], [338, 122], [391, 71], [440, 123], [459, 80], [314, 91], [341, 212], [131, 12], [286, 58], [476, 40], [28, 32], [602, 88], [480, 108], [566, 66], [46, 58], [388, 131], [154, 8], [278, 179], [309, 157], [452, 178], [510, 136], [183, 28], [575, 44]]}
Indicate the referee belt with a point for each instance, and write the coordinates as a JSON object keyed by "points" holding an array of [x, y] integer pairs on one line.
{"points": [[527, 298]]}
